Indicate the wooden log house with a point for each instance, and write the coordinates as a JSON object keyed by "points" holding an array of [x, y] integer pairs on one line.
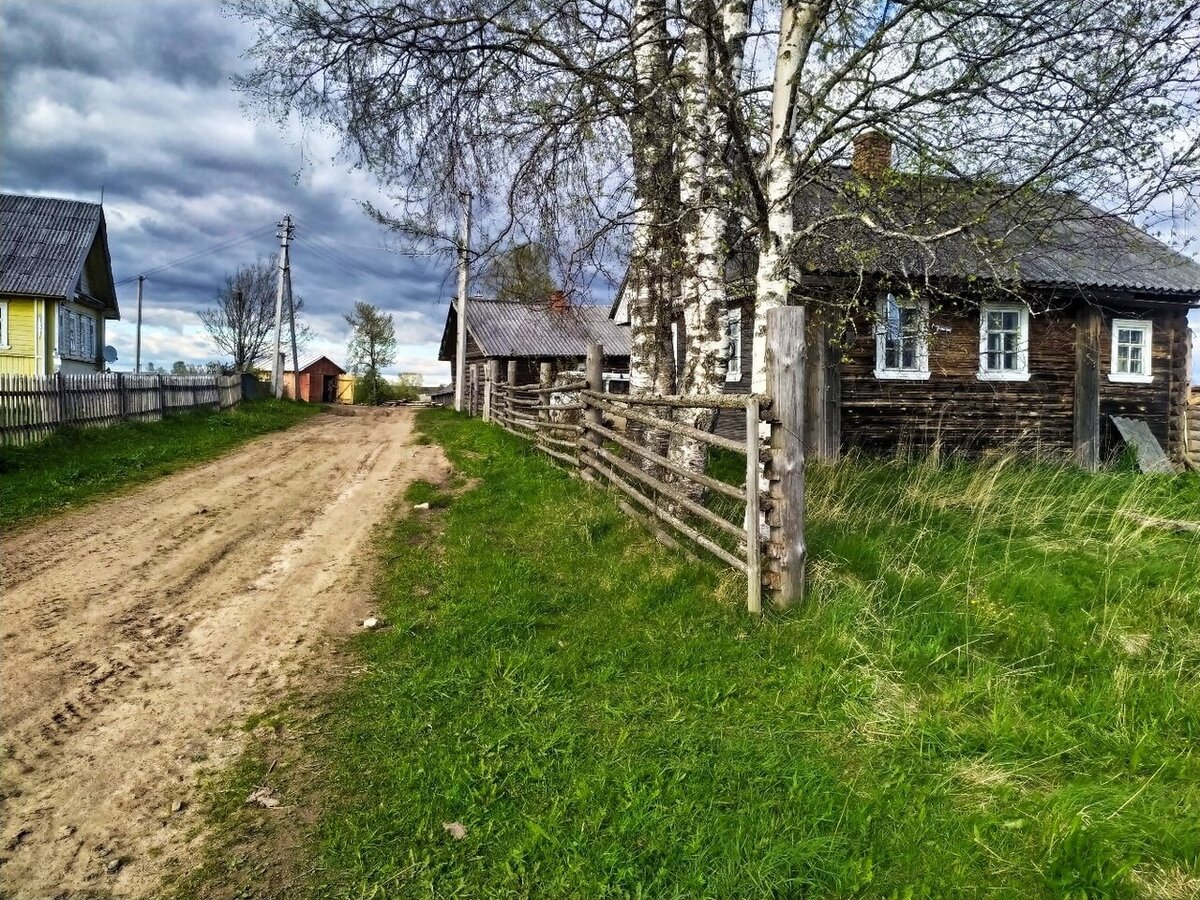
{"points": [[525, 338], [1026, 332]]}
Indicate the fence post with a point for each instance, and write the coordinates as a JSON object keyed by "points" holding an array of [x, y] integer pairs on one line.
{"points": [[62, 398], [512, 383], [785, 359], [545, 380], [594, 370], [122, 405], [492, 375], [162, 398], [753, 536]]}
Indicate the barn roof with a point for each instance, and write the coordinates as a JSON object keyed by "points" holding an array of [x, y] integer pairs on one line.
{"points": [[45, 243], [1048, 239], [515, 330], [310, 361]]}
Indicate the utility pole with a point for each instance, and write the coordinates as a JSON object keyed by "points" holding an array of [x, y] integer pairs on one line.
{"points": [[460, 353], [137, 354], [292, 325], [284, 235]]}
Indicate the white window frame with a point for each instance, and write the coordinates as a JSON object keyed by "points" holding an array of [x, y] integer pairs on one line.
{"points": [[733, 351], [4, 344], [1147, 328], [882, 369], [1021, 373]]}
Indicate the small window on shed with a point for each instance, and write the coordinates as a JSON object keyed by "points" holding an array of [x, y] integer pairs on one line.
{"points": [[1131, 351], [1004, 342], [733, 344], [902, 338]]}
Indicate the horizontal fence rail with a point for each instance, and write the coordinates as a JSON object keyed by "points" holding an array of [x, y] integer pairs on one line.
{"points": [[33, 406], [624, 443]]}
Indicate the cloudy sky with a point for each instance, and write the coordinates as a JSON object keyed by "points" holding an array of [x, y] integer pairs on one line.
{"points": [[134, 97]]}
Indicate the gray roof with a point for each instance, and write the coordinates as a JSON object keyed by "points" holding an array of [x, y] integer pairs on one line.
{"points": [[310, 361], [514, 330], [1049, 239], [44, 244]]}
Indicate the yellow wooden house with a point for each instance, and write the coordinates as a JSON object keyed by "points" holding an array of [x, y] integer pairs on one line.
{"points": [[56, 286]]}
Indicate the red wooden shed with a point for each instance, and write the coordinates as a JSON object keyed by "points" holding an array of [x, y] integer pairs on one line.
{"points": [[317, 381]]}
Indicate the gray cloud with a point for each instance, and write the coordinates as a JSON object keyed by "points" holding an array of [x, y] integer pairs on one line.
{"points": [[135, 99]]}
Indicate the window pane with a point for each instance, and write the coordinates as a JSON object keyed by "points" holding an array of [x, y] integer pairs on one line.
{"points": [[1135, 360], [1011, 321], [995, 321]]}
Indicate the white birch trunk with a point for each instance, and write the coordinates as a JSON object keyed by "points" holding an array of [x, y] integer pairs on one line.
{"points": [[796, 25], [706, 198], [651, 361]]}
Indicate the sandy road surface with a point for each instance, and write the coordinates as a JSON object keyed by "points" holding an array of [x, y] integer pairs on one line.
{"points": [[135, 632]]}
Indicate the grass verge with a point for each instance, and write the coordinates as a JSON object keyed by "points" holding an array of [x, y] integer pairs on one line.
{"points": [[75, 465], [991, 692]]}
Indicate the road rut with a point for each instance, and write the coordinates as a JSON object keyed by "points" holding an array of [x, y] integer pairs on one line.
{"points": [[138, 630]]}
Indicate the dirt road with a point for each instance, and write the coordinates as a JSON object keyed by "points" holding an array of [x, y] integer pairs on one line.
{"points": [[138, 630]]}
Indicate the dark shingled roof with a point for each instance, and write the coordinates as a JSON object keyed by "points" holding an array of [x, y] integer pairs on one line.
{"points": [[1048, 239], [44, 243], [504, 329]]}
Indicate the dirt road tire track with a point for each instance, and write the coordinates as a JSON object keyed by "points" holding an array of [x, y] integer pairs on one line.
{"points": [[135, 632]]}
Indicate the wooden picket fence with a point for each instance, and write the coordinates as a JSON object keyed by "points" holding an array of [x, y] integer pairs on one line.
{"points": [[756, 528], [33, 406]]}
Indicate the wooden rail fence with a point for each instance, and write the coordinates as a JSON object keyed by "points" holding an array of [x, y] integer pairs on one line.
{"points": [[33, 406], [619, 440]]}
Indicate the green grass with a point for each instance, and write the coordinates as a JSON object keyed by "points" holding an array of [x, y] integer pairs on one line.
{"points": [[75, 465], [993, 690]]}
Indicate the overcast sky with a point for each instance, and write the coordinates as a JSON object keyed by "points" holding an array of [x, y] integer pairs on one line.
{"points": [[134, 96]]}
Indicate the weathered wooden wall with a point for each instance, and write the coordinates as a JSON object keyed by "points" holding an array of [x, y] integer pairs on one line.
{"points": [[954, 410]]}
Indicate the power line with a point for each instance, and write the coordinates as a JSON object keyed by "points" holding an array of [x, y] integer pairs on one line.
{"points": [[226, 244]]}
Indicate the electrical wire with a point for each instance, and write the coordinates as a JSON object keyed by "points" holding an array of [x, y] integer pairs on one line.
{"points": [[226, 244]]}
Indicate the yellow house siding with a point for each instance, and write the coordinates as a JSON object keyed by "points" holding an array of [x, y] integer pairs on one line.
{"points": [[19, 358]]}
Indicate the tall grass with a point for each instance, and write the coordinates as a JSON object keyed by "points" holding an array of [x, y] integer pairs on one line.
{"points": [[992, 691]]}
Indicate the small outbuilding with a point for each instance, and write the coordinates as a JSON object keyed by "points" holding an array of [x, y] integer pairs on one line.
{"points": [[531, 334], [317, 381]]}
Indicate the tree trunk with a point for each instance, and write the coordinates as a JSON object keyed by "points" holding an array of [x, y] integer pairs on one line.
{"points": [[707, 201], [798, 23], [651, 361]]}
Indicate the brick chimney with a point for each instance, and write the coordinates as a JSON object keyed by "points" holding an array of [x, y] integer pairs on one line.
{"points": [[872, 154], [559, 301]]}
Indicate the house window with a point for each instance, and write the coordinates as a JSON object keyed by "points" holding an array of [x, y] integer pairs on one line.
{"points": [[1004, 342], [4, 324], [1131, 351], [902, 338], [76, 334], [733, 344]]}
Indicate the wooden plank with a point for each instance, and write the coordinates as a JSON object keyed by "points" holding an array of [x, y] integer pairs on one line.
{"points": [[663, 515], [676, 401], [655, 422], [753, 540], [707, 481], [785, 360], [491, 379], [1086, 411], [674, 496]]}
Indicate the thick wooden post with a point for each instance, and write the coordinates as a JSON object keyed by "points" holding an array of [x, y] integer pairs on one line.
{"points": [[162, 398], [594, 370], [546, 379], [1087, 388], [753, 538], [512, 371], [785, 361], [492, 376]]}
